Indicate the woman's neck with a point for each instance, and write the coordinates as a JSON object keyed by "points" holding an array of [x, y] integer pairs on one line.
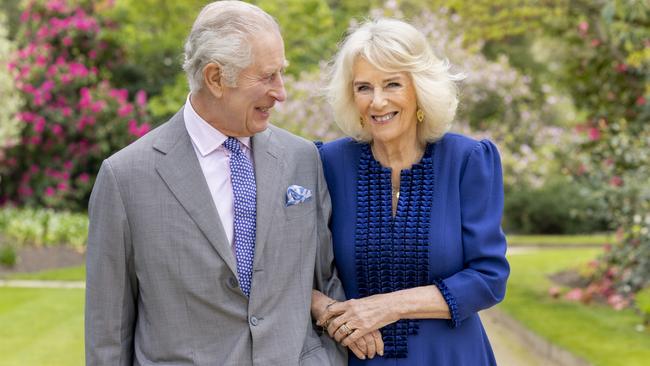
{"points": [[398, 155]]}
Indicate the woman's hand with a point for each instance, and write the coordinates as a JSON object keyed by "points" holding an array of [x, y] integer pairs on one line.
{"points": [[349, 321], [368, 346]]}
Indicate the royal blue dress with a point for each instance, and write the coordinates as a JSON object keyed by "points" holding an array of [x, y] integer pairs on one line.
{"points": [[446, 232]]}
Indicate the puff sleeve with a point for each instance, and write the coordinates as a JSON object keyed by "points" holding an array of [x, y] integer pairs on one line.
{"points": [[482, 282]]}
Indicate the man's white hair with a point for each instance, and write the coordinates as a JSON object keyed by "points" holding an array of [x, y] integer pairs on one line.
{"points": [[221, 34]]}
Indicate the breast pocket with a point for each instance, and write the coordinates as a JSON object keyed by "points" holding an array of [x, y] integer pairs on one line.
{"points": [[300, 210]]}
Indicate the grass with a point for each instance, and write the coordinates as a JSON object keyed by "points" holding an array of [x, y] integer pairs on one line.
{"points": [[41, 327], [560, 240], [77, 273], [596, 333]]}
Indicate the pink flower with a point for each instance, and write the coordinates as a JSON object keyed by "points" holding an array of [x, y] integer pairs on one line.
{"points": [[594, 134], [617, 301], [125, 110], [39, 125], [62, 187], [141, 98], [25, 191], [86, 98], [574, 295], [47, 86], [583, 27], [66, 111], [49, 191], [554, 292], [41, 60], [98, 106], [616, 181], [77, 69], [57, 130], [621, 67], [144, 128], [595, 42], [84, 177], [640, 100], [92, 54], [24, 16], [67, 41], [34, 169], [56, 5], [120, 94], [26, 116]]}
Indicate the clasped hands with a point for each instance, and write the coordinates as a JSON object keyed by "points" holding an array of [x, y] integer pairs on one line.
{"points": [[354, 323]]}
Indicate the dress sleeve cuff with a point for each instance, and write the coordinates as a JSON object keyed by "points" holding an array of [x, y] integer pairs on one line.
{"points": [[454, 322]]}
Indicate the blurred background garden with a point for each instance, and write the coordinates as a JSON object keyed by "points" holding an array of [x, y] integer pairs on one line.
{"points": [[561, 86]]}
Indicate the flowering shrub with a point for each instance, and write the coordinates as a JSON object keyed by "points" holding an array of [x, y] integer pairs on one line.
{"points": [[9, 125], [609, 72], [72, 117]]}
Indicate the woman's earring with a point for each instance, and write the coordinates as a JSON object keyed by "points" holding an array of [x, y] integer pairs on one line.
{"points": [[419, 114]]}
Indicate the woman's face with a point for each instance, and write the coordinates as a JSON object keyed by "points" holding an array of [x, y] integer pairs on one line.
{"points": [[386, 102]]}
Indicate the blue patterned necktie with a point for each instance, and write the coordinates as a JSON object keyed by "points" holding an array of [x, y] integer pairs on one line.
{"points": [[242, 178]]}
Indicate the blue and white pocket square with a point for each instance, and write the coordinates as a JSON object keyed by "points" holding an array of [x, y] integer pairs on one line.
{"points": [[297, 194]]}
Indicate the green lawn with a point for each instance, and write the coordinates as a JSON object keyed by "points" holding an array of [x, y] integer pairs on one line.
{"points": [[559, 240], [597, 333], [41, 327], [77, 273]]}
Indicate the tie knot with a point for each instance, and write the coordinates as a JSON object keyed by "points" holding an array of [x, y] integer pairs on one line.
{"points": [[232, 144]]}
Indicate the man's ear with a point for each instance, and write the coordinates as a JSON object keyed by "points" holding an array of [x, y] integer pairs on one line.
{"points": [[213, 80]]}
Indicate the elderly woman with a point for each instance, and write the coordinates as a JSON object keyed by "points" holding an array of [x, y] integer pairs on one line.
{"points": [[416, 210]]}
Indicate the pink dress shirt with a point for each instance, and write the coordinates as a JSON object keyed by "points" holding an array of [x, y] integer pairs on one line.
{"points": [[214, 159]]}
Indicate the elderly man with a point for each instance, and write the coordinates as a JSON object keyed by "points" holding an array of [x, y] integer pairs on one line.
{"points": [[208, 234]]}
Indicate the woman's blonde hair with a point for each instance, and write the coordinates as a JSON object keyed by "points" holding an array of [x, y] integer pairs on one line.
{"points": [[394, 46]]}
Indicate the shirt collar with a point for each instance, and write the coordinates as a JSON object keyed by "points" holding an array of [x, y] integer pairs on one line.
{"points": [[205, 137]]}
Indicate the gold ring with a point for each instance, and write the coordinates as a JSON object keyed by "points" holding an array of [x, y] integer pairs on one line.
{"points": [[346, 329]]}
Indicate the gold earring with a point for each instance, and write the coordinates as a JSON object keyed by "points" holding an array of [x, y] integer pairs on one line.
{"points": [[361, 121], [419, 114]]}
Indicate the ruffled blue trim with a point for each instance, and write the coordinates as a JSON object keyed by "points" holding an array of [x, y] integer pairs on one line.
{"points": [[454, 322], [318, 144], [392, 252]]}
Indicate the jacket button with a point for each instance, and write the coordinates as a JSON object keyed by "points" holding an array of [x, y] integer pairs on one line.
{"points": [[232, 282], [254, 321]]}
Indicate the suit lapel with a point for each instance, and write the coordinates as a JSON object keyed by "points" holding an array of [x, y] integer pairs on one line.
{"points": [[267, 155], [181, 171]]}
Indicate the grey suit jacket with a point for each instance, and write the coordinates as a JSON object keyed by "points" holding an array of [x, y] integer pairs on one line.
{"points": [[162, 283]]}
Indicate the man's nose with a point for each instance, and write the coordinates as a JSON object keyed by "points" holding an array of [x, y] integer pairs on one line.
{"points": [[278, 92]]}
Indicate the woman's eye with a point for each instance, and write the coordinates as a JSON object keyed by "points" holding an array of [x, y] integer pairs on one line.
{"points": [[394, 84], [362, 88]]}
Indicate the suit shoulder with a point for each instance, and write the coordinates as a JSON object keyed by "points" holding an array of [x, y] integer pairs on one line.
{"points": [[294, 142]]}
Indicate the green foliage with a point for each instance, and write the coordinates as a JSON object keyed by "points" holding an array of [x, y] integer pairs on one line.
{"points": [[8, 255], [558, 207], [607, 71], [306, 29], [153, 33], [43, 227], [578, 328]]}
